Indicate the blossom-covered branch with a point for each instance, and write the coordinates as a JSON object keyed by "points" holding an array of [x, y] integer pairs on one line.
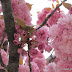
{"points": [[50, 16]]}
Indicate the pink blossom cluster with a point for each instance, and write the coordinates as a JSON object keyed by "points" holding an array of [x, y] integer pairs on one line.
{"points": [[64, 66], [54, 18], [60, 35], [42, 39], [16, 41], [25, 68], [42, 34], [38, 58], [37, 64], [21, 11], [19, 33], [70, 11], [42, 16], [57, 35], [51, 67]]}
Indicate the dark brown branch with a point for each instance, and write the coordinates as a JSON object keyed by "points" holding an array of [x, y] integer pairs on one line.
{"points": [[49, 16], [10, 30], [29, 62], [29, 44]]}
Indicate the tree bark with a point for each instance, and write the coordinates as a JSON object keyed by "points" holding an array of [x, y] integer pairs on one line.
{"points": [[10, 30]]}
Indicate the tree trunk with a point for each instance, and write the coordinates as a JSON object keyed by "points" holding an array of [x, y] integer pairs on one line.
{"points": [[10, 30]]}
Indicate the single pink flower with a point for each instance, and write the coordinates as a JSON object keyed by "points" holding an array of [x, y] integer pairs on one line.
{"points": [[40, 62], [41, 46], [33, 53], [51, 67], [42, 33], [34, 66], [48, 48], [16, 36], [16, 42], [24, 68]]}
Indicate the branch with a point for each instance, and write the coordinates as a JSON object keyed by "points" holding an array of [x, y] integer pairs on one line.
{"points": [[49, 16], [29, 62], [29, 55]]}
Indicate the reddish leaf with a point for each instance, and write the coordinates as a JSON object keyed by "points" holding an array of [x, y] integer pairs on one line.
{"points": [[38, 12], [57, 1], [53, 6], [29, 6], [57, 5], [48, 9]]}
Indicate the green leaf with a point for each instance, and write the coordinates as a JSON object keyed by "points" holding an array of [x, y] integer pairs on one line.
{"points": [[66, 5], [21, 23], [25, 27]]}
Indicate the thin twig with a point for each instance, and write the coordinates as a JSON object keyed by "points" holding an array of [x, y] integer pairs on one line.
{"points": [[29, 62], [29, 55], [49, 16]]}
